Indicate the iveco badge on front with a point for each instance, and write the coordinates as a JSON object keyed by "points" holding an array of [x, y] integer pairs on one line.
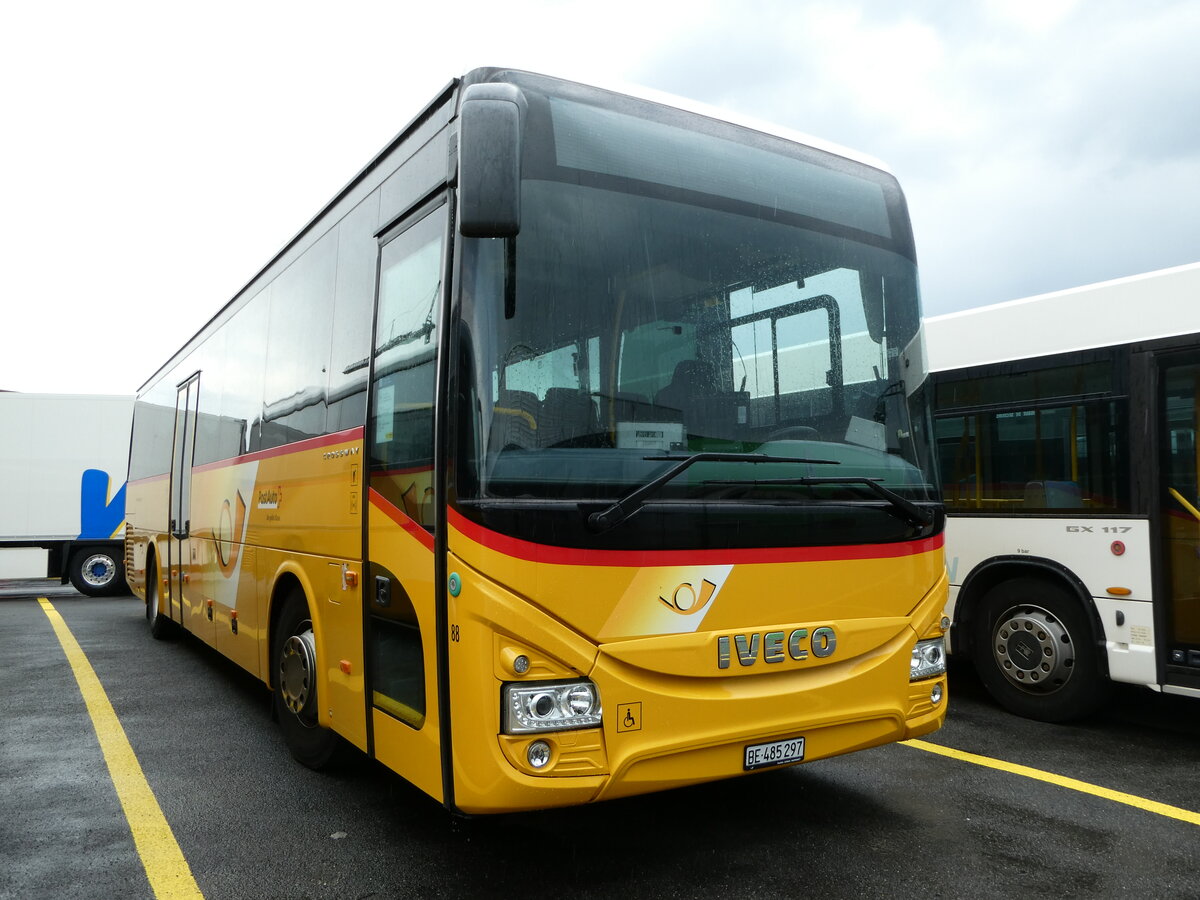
{"points": [[776, 646]]}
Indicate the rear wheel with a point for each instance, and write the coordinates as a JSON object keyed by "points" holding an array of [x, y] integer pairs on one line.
{"points": [[1036, 652], [294, 678], [95, 572]]}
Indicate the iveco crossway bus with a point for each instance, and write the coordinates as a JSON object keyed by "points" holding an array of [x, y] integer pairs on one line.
{"points": [[578, 448]]}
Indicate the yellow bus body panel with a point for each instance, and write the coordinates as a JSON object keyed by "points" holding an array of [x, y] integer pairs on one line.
{"points": [[259, 524], [671, 715], [645, 627]]}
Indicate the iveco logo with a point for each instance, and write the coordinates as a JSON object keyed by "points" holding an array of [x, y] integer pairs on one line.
{"points": [[776, 646]]}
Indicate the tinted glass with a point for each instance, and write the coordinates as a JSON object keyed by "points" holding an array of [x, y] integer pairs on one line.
{"points": [[1016, 387], [210, 359], [1037, 460], [298, 342], [153, 426], [401, 427], [1181, 504], [610, 143], [245, 368], [654, 305], [354, 295]]}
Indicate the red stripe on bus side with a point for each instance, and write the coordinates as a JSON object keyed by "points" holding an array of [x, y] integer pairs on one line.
{"points": [[401, 518], [572, 556]]}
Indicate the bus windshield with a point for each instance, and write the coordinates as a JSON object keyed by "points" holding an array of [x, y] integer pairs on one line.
{"points": [[765, 309]]}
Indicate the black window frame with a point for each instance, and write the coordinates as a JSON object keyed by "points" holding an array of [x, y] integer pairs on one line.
{"points": [[1117, 359]]}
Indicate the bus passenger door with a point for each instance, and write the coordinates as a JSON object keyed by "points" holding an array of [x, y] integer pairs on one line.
{"points": [[1180, 523], [400, 597], [183, 445]]}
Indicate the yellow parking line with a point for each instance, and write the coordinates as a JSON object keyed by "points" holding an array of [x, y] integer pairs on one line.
{"points": [[169, 874], [1162, 809]]}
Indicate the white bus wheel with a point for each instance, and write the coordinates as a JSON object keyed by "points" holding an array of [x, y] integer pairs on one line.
{"points": [[1036, 652]]}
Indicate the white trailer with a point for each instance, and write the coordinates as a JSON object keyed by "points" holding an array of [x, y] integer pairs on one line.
{"points": [[63, 459]]}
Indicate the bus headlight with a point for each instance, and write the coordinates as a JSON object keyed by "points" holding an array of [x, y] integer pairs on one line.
{"points": [[550, 706], [928, 659]]}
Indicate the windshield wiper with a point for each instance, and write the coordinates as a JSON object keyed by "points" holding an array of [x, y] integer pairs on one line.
{"points": [[913, 513], [617, 512]]}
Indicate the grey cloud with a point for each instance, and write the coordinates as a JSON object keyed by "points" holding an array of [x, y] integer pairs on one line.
{"points": [[1078, 155]]}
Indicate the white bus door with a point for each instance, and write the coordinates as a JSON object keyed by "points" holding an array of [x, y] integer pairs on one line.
{"points": [[1180, 397]]}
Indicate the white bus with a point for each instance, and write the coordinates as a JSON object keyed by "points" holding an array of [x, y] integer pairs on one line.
{"points": [[1066, 433]]}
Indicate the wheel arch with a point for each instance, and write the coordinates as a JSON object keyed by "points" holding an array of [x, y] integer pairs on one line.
{"points": [[151, 564], [999, 569], [157, 548], [313, 742], [288, 580]]}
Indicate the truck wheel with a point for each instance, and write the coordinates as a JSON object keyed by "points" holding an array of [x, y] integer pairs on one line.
{"points": [[294, 679], [1036, 653], [95, 572]]}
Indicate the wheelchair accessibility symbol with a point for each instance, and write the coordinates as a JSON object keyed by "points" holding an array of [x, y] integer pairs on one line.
{"points": [[629, 717]]}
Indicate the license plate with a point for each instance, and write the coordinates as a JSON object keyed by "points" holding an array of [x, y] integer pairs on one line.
{"points": [[776, 753]]}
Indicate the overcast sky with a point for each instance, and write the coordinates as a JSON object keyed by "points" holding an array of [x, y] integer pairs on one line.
{"points": [[155, 155]]}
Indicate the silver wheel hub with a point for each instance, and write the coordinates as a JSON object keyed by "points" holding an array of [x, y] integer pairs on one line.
{"points": [[1033, 649], [98, 569], [297, 670]]}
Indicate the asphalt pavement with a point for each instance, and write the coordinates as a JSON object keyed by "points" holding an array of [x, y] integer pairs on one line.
{"points": [[890, 822]]}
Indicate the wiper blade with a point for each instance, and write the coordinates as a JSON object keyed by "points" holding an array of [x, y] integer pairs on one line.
{"points": [[913, 513], [616, 513]]}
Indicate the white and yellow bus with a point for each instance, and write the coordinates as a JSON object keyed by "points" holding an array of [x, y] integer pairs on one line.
{"points": [[577, 449]]}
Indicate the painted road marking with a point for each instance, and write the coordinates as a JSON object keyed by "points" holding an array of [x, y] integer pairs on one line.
{"points": [[169, 874], [1162, 809]]}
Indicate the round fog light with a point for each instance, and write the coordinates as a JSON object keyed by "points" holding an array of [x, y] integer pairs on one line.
{"points": [[521, 664], [539, 754], [935, 695]]}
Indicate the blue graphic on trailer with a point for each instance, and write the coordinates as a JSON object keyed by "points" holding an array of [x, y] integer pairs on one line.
{"points": [[99, 517]]}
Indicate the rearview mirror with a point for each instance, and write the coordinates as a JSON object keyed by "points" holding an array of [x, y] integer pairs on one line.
{"points": [[871, 287], [489, 161]]}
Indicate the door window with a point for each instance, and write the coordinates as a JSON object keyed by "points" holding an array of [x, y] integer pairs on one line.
{"points": [[401, 440], [406, 341], [1181, 519]]}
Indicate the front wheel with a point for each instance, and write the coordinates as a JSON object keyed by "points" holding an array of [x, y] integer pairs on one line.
{"points": [[1035, 652], [161, 626], [294, 679]]}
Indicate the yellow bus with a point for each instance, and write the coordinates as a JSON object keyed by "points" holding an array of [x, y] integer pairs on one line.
{"points": [[578, 448]]}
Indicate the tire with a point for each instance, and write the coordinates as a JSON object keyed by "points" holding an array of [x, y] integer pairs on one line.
{"points": [[96, 572], [1036, 652], [294, 683], [161, 626]]}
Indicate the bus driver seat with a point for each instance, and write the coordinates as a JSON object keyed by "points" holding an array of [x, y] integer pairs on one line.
{"points": [[693, 384]]}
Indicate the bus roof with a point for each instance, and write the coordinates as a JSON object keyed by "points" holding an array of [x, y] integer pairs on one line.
{"points": [[1136, 308]]}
